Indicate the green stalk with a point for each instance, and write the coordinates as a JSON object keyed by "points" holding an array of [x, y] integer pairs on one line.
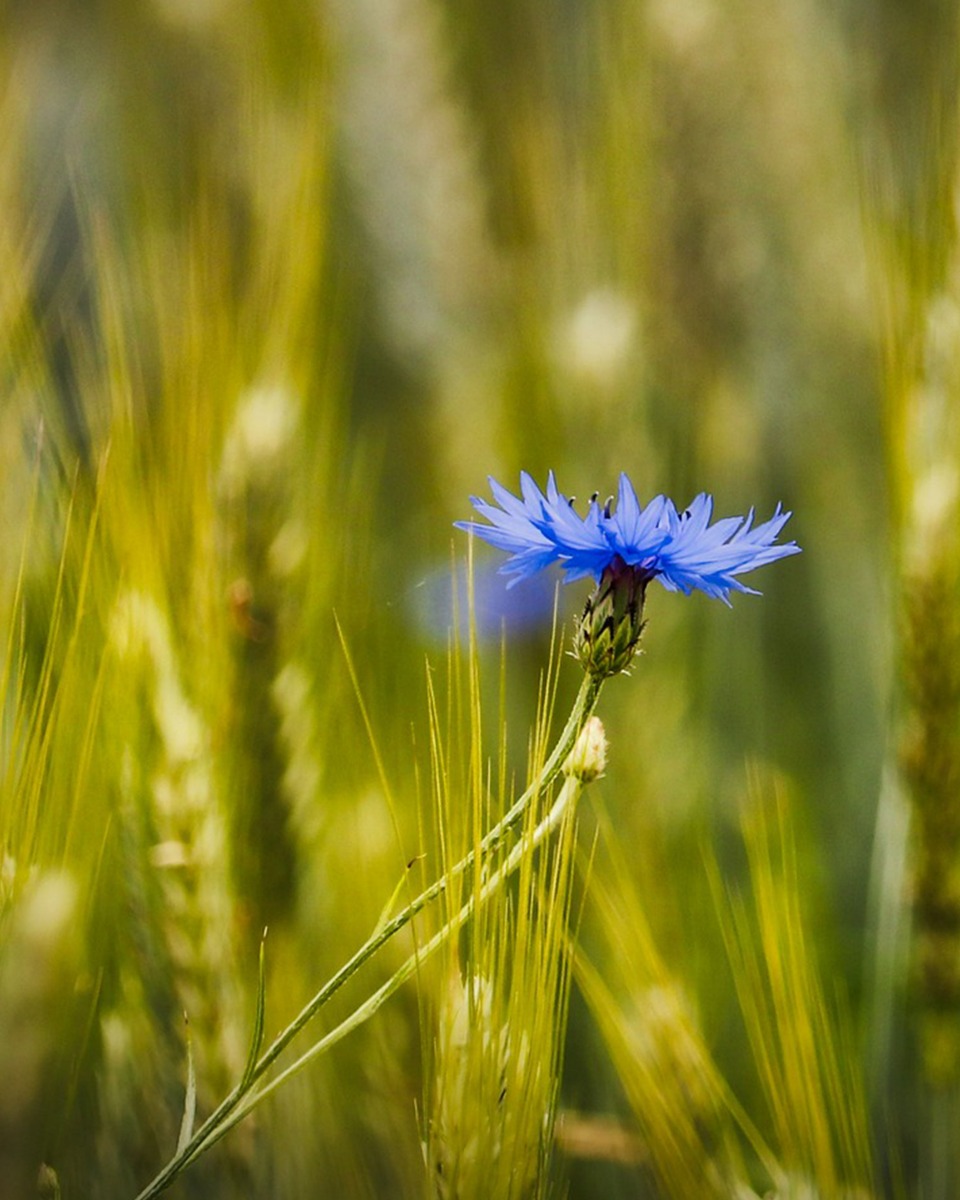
{"points": [[564, 804], [213, 1127]]}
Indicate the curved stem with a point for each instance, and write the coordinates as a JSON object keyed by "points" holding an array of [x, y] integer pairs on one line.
{"points": [[582, 710], [563, 805]]}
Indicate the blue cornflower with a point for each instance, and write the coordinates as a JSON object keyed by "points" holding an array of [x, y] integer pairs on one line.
{"points": [[623, 548], [683, 550]]}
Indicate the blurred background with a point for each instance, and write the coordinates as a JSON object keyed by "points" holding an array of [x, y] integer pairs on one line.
{"points": [[281, 284]]}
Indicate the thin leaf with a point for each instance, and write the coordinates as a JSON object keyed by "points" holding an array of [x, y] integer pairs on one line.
{"points": [[190, 1100], [390, 907], [256, 1038]]}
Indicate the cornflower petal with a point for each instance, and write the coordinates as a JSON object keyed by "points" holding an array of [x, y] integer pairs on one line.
{"points": [[511, 506], [513, 527], [684, 551], [582, 546], [634, 532], [708, 558], [574, 532], [533, 498]]}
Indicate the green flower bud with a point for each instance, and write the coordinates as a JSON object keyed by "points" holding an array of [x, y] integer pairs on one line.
{"points": [[588, 758]]}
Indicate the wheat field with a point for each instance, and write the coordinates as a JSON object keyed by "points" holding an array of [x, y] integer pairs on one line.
{"points": [[325, 868]]}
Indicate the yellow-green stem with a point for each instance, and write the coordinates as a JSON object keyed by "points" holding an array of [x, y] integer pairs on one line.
{"points": [[581, 712], [565, 803]]}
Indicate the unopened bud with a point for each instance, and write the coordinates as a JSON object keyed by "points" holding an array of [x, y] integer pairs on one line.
{"points": [[588, 758]]}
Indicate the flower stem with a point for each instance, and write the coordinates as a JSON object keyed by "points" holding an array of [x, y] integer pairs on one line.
{"points": [[564, 804], [222, 1118]]}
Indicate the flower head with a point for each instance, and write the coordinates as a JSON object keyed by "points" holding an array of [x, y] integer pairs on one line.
{"points": [[682, 550], [623, 549]]}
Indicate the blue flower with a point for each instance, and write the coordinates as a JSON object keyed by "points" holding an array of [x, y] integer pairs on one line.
{"points": [[682, 550]]}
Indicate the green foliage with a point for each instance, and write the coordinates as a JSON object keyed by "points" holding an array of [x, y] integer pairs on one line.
{"points": [[497, 1016], [280, 283]]}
